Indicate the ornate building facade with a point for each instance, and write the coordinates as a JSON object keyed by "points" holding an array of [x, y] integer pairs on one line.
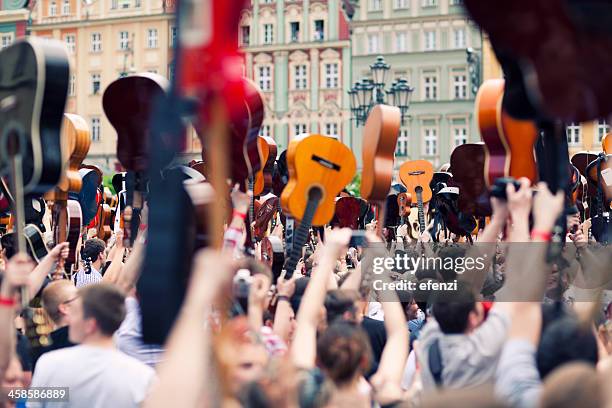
{"points": [[425, 42], [298, 52]]}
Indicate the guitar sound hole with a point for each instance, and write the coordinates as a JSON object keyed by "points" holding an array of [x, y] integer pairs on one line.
{"points": [[315, 194]]}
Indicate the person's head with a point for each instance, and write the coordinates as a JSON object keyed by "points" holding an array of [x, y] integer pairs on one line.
{"points": [[276, 387], [57, 299], [457, 312], [94, 250], [563, 341], [343, 352], [342, 305], [409, 304], [573, 385], [96, 313], [240, 355]]}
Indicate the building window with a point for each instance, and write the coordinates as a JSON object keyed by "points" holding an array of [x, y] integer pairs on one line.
{"points": [[95, 84], [373, 45], [66, 7], [401, 4], [125, 3], [95, 129], [265, 78], [459, 135], [265, 130], [319, 31], [331, 129], [152, 38], [267, 1], [7, 39], [295, 31], [96, 42], [70, 40], [72, 85], [460, 85], [602, 129], [136, 3], [114, 4], [400, 41], [124, 40], [375, 5], [574, 134], [245, 35], [402, 143], [459, 35], [52, 9], [429, 40], [429, 3], [172, 36], [431, 141], [331, 75], [298, 129], [456, 2], [268, 37], [430, 82], [300, 77]]}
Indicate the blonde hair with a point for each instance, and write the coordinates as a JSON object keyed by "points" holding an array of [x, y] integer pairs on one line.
{"points": [[53, 296]]}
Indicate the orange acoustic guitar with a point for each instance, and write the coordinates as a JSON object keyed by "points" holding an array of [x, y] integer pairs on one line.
{"points": [[416, 176], [379, 142], [267, 154], [319, 168], [404, 202], [508, 142], [606, 143]]}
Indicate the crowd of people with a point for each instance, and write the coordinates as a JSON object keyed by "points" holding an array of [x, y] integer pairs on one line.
{"points": [[512, 333]]}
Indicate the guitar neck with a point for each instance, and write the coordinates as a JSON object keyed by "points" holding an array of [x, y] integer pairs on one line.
{"points": [[300, 237], [419, 194]]}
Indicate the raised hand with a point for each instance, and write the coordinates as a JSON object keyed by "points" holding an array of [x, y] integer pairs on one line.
{"points": [[519, 201], [17, 274], [60, 251], [547, 207]]}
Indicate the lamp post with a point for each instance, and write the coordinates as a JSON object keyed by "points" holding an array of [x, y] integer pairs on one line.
{"points": [[473, 60], [367, 93]]}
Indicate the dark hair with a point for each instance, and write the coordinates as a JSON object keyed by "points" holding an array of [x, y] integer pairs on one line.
{"points": [[300, 288], [406, 299], [452, 308], [92, 249], [338, 302], [342, 351], [105, 303], [563, 341]]}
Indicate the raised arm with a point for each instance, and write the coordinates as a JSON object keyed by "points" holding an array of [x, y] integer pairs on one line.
{"points": [[16, 275], [303, 348], [188, 347], [38, 275], [282, 318]]}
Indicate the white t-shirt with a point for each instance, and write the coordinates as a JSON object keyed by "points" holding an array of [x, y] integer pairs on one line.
{"points": [[96, 377]]}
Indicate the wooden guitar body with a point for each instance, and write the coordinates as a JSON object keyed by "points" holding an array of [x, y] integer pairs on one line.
{"points": [[263, 178], [467, 166], [35, 242], [404, 202], [273, 255], [280, 177], [316, 162], [508, 141], [602, 164], [416, 176], [606, 143], [347, 213], [379, 142], [581, 161], [33, 91], [246, 150], [76, 132], [263, 215]]}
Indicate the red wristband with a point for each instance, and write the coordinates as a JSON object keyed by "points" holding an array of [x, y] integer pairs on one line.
{"points": [[239, 214], [542, 235], [7, 301]]}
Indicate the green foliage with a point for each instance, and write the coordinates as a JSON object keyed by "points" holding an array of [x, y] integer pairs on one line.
{"points": [[107, 181], [355, 185]]}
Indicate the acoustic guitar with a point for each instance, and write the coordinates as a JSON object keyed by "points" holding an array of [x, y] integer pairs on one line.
{"points": [[33, 91], [378, 153], [467, 166], [273, 255], [347, 213], [404, 202], [416, 176], [508, 142], [606, 143], [263, 178], [319, 168], [35, 242]]}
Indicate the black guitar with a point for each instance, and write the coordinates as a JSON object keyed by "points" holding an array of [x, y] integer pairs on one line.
{"points": [[33, 90], [35, 242]]}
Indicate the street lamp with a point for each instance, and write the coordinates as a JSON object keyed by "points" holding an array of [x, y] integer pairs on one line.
{"points": [[473, 60], [369, 92]]}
